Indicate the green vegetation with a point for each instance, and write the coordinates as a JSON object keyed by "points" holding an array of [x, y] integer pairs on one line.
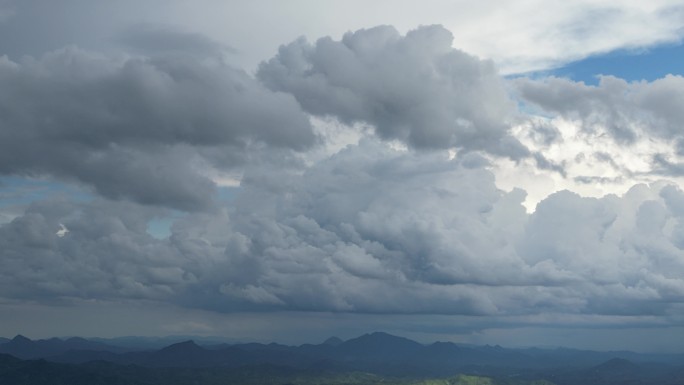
{"points": [[356, 378], [476, 380], [370, 379]]}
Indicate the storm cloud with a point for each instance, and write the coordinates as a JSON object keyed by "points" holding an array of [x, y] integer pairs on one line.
{"points": [[138, 128], [421, 232]]}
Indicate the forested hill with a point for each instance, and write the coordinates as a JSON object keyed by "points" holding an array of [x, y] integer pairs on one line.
{"points": [[40, 372]]}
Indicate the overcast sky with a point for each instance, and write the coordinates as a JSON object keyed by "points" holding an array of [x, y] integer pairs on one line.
{"points": [[494, 172]]}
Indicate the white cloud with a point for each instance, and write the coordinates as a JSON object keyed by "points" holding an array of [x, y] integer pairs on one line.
{"points": [[520, 36], [532, 35], [606, 137], [62, 231]]}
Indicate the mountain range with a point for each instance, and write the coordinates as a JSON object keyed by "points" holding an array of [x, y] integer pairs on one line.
{"points": [[377, 353]]}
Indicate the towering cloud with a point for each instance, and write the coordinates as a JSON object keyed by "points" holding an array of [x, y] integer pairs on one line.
{"points": [[414, 88]]}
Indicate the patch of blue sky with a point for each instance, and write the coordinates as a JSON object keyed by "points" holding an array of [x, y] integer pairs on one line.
{"points": [[632, 65], [228, 193], [17, 191], [160, 227]]}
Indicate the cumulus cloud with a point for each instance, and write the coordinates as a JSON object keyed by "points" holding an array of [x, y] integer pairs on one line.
{"points": [[393, 223], [605, 137], [421, 232], [414, 88], [626, 110], [138, 128], [442, 229]]}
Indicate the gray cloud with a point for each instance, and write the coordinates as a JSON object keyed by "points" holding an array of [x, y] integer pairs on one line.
{"points": [[590, 180], [139, 128], [626, 110], [6, 12], [105, 255], [154, 38], [627, 113], [369, 230], [545, 164], [663, 166], [543, 134], [414, 88], [422, 233]]}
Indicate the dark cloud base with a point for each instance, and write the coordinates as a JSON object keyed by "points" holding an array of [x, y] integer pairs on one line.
{"points": [[370, 230], [139, 128]]}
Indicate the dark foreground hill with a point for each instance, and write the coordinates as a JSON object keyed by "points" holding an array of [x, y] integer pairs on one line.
{"points": [[40, 372], [14, 371]]}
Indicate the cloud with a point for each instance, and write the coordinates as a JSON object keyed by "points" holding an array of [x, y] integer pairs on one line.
{"points": [[153, 38], [626, 110], [378, 219], [605, 137], [520, 37], [62, 231], [422, 233], [663, 166], [5, 13], [413, 88], [143, 128], [541, 35]]}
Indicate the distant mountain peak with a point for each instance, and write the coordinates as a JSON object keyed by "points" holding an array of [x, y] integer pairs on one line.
{"points": [[383, 337], [20, 338], [76, 339], [333, 341], [378, 335], [188, 345], [379, 344], [381, 334]]}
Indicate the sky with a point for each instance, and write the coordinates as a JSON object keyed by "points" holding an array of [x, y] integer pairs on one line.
{"points": [[485, 173]]}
